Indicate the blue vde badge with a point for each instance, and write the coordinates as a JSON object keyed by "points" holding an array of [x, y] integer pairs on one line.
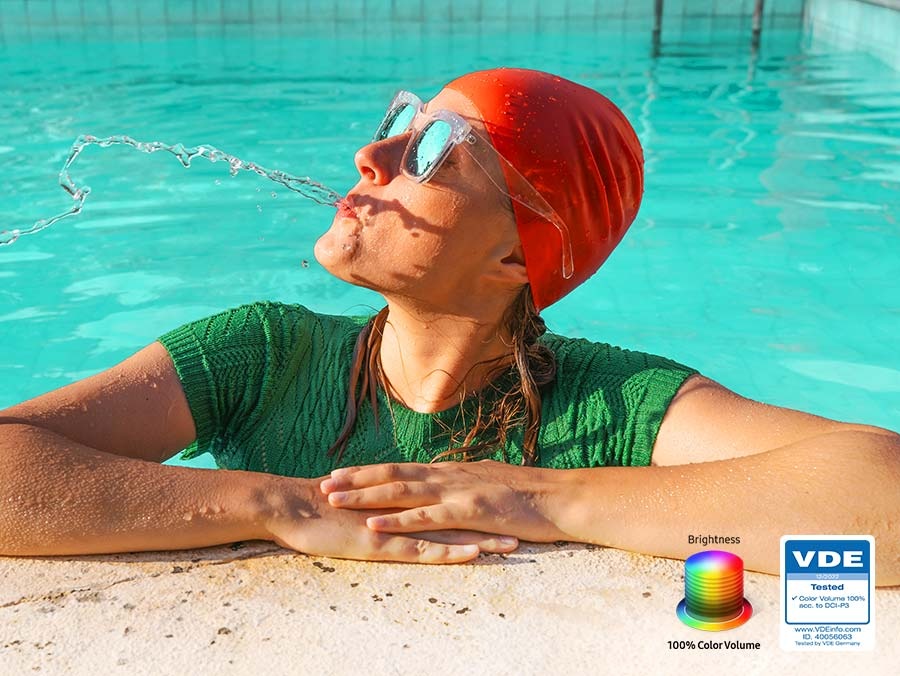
{"points": [[827, 592]]}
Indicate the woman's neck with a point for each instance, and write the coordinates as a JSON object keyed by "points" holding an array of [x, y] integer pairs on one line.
{"points": [[430, 360]]}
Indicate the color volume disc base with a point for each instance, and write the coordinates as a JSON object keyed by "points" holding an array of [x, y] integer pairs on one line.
{"points": [[706, 625]]}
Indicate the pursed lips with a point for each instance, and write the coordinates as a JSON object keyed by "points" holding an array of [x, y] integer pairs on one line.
{"points": [[346, 209]]}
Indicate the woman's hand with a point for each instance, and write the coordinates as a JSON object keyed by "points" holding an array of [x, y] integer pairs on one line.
{"points": [[303, 520], [488, 496]]}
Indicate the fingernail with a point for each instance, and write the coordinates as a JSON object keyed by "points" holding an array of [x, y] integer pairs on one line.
{"points": [[375, 522], [327, 485], [469, 549], [506, 540], [338, 497]]}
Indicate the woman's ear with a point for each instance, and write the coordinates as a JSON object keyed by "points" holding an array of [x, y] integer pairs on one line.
{"points": [[513, 266]]}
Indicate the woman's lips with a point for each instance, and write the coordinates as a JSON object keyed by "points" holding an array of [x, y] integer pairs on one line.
{"points": [[345, 210]]}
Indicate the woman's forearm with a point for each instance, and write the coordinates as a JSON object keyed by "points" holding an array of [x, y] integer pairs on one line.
{"points": [[843, 482], [59, 497]]}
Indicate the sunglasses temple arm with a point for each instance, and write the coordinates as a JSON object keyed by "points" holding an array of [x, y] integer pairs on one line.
{"points": [[545, 211]]}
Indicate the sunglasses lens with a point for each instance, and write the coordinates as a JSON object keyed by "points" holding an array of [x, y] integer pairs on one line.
{"points": [[396, 121], [428, 148]]}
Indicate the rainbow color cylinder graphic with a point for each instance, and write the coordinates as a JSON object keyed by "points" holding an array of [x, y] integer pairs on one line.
{"points": [[714, 592]]}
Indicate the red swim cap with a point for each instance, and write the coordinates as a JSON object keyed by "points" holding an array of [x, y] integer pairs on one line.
{"points": [[578, 149]]}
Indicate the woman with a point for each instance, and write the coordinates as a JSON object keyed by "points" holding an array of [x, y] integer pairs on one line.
{"points": [[472, 213]]}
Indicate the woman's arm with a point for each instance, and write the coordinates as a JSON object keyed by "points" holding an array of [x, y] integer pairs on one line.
{"points": [[748, 470], [81, 470], [136, 409], [80, 473], [706, 421], [837, 483], [60, 497]]}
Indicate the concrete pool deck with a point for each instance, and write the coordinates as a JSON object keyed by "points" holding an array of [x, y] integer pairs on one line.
{"points": [[548, 608]]}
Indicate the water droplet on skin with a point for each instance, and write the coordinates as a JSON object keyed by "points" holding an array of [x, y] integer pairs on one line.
{"points": [[346, 247]]}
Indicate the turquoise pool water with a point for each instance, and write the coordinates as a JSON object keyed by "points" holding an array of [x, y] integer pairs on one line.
{"points": [[766, 253]]}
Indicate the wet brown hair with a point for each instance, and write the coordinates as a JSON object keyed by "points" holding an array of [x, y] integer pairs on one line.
{"points": [[530, 365]]}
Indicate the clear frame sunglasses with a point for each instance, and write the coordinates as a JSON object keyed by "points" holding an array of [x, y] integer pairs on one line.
{"points": [[435, 134]]}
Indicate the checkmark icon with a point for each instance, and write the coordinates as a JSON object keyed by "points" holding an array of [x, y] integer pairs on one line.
{"points": [[793, 598]]}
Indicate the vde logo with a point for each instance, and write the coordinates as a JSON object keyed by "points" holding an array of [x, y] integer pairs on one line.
{"points": [[829, 559], [826, 556]]}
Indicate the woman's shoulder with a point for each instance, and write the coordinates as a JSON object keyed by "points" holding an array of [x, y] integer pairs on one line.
{"points": [[587, 356], [608, 399], [272, 313], [300, 311], [274, 324]]}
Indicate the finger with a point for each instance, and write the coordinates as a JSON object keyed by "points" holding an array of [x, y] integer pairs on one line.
{"points": [[393, 494], [418, 550], [431, 517], [498, 544], [490, 543], [345, 478]]}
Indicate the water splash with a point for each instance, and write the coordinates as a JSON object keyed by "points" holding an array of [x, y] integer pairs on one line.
{"points": [[303, 185]]}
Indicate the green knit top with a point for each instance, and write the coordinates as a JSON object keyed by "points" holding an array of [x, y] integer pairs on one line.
{"points": [[267, 387]]}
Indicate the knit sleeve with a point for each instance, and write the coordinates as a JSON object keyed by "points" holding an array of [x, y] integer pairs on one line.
{"points": [[611, 402], [224, 362], [637, 394]]}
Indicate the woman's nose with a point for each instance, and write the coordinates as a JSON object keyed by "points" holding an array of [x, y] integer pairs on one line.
{"points": [[379, 161]]}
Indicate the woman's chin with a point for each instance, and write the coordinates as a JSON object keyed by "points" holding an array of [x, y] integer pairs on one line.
{"points": [[334, 253]]}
